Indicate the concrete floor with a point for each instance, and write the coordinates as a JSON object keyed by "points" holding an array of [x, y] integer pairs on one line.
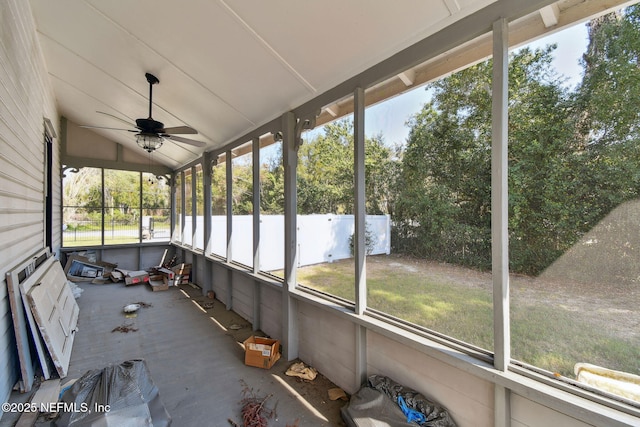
{"points": [[195, 360]]}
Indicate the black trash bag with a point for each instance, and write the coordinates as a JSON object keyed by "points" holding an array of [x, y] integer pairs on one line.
{"points": [[372, 408], [118, 395], [436, 415]]}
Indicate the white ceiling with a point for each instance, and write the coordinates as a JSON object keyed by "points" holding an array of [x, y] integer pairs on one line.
{"points": [[225, 66]]}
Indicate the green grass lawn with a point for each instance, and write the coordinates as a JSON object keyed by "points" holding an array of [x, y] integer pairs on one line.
{"points": [[541, 335]]}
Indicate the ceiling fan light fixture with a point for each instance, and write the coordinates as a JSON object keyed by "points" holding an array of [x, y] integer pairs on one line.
{"points": [[149, 142]]}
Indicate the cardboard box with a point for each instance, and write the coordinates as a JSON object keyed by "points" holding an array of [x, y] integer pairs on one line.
{"points": [[261, 352], [135, 277], [158, 283]]}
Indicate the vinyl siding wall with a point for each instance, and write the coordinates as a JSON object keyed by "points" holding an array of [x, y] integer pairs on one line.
{"points": [[26, 98]]}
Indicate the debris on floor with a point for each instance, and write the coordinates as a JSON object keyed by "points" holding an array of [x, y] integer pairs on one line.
{"points": [[384, 402], [337, 393], [301, 371], [255, 412], [125, 328], [82, 269], [131, 308], [261, 352], [112, 395]]}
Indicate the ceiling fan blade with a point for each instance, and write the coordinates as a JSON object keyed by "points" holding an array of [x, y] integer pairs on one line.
{"points": [[185, 140], [115, 117], [180, 129], [105, 127]]}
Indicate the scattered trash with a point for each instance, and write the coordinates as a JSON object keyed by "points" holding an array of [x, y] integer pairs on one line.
{"points": [[235, 327], [337, 393], [121, 394], [254, 410], [144, 304], [206, 305], [131, 308], [75, 289], [82, 269], [124, 328], [211, 295], [301, 371]]}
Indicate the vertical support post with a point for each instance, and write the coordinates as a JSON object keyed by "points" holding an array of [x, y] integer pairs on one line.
{"points": [[207, 208], [229, 214], [140, 224], [183, 207], [499, 216], [255, 149], [194, 206], [500, 197], [104, 211], [229, 197], [207, 284], [360, 247], [289, 304], [172, 216]]}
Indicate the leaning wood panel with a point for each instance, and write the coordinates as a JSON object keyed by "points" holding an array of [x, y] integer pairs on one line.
{"points": [[23, 273], [56, 313]]}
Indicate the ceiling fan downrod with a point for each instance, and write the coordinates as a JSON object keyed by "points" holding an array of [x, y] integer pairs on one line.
{"points": [[152, 81]]}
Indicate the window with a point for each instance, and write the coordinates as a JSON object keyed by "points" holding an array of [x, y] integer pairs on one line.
{"points": [[110, 207], [199, 224], [325, 209], [156, 209], [574, 200], [219, 207], [82, 207], [187, 230], [177, 191], [428, 167], [272, 210], [242, 205]]}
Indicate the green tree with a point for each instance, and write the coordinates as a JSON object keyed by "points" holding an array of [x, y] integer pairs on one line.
{"points": [[444, 202]]}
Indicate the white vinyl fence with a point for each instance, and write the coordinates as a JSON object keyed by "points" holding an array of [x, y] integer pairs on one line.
{"points": [[321, 238]]}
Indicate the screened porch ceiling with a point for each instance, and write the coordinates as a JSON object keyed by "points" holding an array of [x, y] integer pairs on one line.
{"points": [[226, 67]]}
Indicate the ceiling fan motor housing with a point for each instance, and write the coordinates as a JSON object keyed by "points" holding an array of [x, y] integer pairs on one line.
{"points": [[150, 126]]}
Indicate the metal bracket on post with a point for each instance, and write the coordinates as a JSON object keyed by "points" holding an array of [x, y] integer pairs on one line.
{"points": [[167, 178], [301, 126], [66, 169]]}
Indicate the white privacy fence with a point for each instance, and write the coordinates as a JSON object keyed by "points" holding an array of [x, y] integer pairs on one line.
{"points": [[321, 238]]}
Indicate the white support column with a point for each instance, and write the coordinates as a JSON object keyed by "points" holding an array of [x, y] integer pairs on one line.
{"points": [[229, 209], [289, 304], [360, 246], [194, 206], [255, 148], [173, 219], [183, 207], [499, 217], [229, 200], [207, 209], [207, 280], [360, 249], [500, 197]]}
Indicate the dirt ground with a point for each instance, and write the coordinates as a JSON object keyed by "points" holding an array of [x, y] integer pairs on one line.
{"points": [[612, 308]]}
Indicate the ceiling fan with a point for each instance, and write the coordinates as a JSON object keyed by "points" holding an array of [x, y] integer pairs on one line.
{"points": [[150, 133]]}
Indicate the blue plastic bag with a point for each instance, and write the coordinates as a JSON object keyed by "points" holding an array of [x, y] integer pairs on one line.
{"points": [[411, 414]]}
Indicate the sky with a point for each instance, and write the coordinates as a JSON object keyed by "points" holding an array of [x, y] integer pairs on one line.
{"points": [[389, 117]]}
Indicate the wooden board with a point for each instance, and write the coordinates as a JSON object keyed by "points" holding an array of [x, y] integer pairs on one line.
{"points": [[56, 313], [21, 273]]}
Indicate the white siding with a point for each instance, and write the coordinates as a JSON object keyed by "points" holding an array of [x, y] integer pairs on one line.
{"points": [[26, 98]]}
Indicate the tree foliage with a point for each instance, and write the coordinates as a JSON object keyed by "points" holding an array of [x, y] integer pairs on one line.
{"points": [[573, 156]]}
